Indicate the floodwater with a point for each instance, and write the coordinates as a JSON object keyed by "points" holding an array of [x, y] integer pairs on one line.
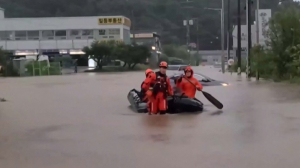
{"points": [[83, 120]]}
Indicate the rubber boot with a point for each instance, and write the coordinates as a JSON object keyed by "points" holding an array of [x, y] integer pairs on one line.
{"points": [[162, 112]]}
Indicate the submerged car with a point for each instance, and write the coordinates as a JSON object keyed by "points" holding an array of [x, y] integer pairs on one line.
{"points": [[204, 80], [176, 103]]}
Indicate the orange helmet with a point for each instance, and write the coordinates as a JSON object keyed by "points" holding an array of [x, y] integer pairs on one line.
{"points": [[163, 64], [188, 69], [148, 71]]}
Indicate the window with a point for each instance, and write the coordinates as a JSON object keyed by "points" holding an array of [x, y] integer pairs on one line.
{"points": [[114, 31], [102, 32], [6, 35], [20, 35], [75, 34], [199, 77], [48, 34], [111, 37], [60, 34], [87, 34], [33, 35]]}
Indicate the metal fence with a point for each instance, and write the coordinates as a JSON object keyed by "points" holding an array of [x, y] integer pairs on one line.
{"points": [[25, 67]]}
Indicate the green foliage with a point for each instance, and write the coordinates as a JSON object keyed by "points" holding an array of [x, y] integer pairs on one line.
{"points": [[7, 68], [163, 57], [196, 59], [103, 52], [176, 51], [234, 68], [3, 57], [180, 55], [175, 61], [97, 51], [131, 54], [294, 65], [280, 59]]}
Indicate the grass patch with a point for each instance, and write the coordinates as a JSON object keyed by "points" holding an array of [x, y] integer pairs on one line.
{"points": [[138, 67]]}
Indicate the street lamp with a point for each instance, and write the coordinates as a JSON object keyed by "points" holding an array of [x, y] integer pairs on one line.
{"points": [[222, 33]]}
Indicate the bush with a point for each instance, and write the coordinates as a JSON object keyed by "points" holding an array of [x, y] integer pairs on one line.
{"points": [[234, 68], [175, 61], [163, 57], [10, 70], [280, 59]]}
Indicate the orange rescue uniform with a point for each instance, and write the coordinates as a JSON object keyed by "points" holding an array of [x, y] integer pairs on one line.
{"points": [[189, 85], [160, 88]]}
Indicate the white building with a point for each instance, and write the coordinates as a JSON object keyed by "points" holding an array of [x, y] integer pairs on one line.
{"points": [[27, 36]]}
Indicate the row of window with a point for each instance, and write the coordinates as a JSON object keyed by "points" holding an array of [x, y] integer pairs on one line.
{"points": [[58, 34]]}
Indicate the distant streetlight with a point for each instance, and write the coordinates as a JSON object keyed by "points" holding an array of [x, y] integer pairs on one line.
{"points": [[153, 47]]}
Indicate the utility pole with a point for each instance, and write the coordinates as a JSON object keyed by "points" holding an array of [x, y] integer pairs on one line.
{"points": [[257, 31], [187, 33], [239, 38], [187, 23], [249, 38], [228, 30], [197, 21], [222, 36]]}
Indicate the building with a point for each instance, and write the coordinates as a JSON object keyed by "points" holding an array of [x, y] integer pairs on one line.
{"points": [[150, 39], [59, 35]]}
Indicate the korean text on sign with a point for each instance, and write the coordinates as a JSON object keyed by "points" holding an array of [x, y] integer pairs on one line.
{"points": [[110, 20]]}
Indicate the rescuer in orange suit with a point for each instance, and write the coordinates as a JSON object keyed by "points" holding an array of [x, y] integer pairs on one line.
{"points": [[146, 85], [159, 89], [188, 84]]}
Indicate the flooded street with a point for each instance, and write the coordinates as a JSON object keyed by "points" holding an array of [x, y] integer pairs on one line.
{"points": [[84, 120]]}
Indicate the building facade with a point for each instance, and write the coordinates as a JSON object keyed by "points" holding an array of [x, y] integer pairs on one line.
{"points": [[151, 40], [64, 35]]}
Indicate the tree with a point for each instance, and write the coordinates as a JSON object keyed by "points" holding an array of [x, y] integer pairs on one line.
{"points": [[121, 52], [97, 51], [138, 54], [284, 32], [280, 59], [132, 54], [169, 50]]}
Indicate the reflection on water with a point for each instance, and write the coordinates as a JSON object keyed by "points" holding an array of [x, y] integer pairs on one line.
{"points": [[157, 127]]}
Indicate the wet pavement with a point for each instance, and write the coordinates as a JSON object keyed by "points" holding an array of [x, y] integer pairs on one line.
{"points": [[83, 120]]}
